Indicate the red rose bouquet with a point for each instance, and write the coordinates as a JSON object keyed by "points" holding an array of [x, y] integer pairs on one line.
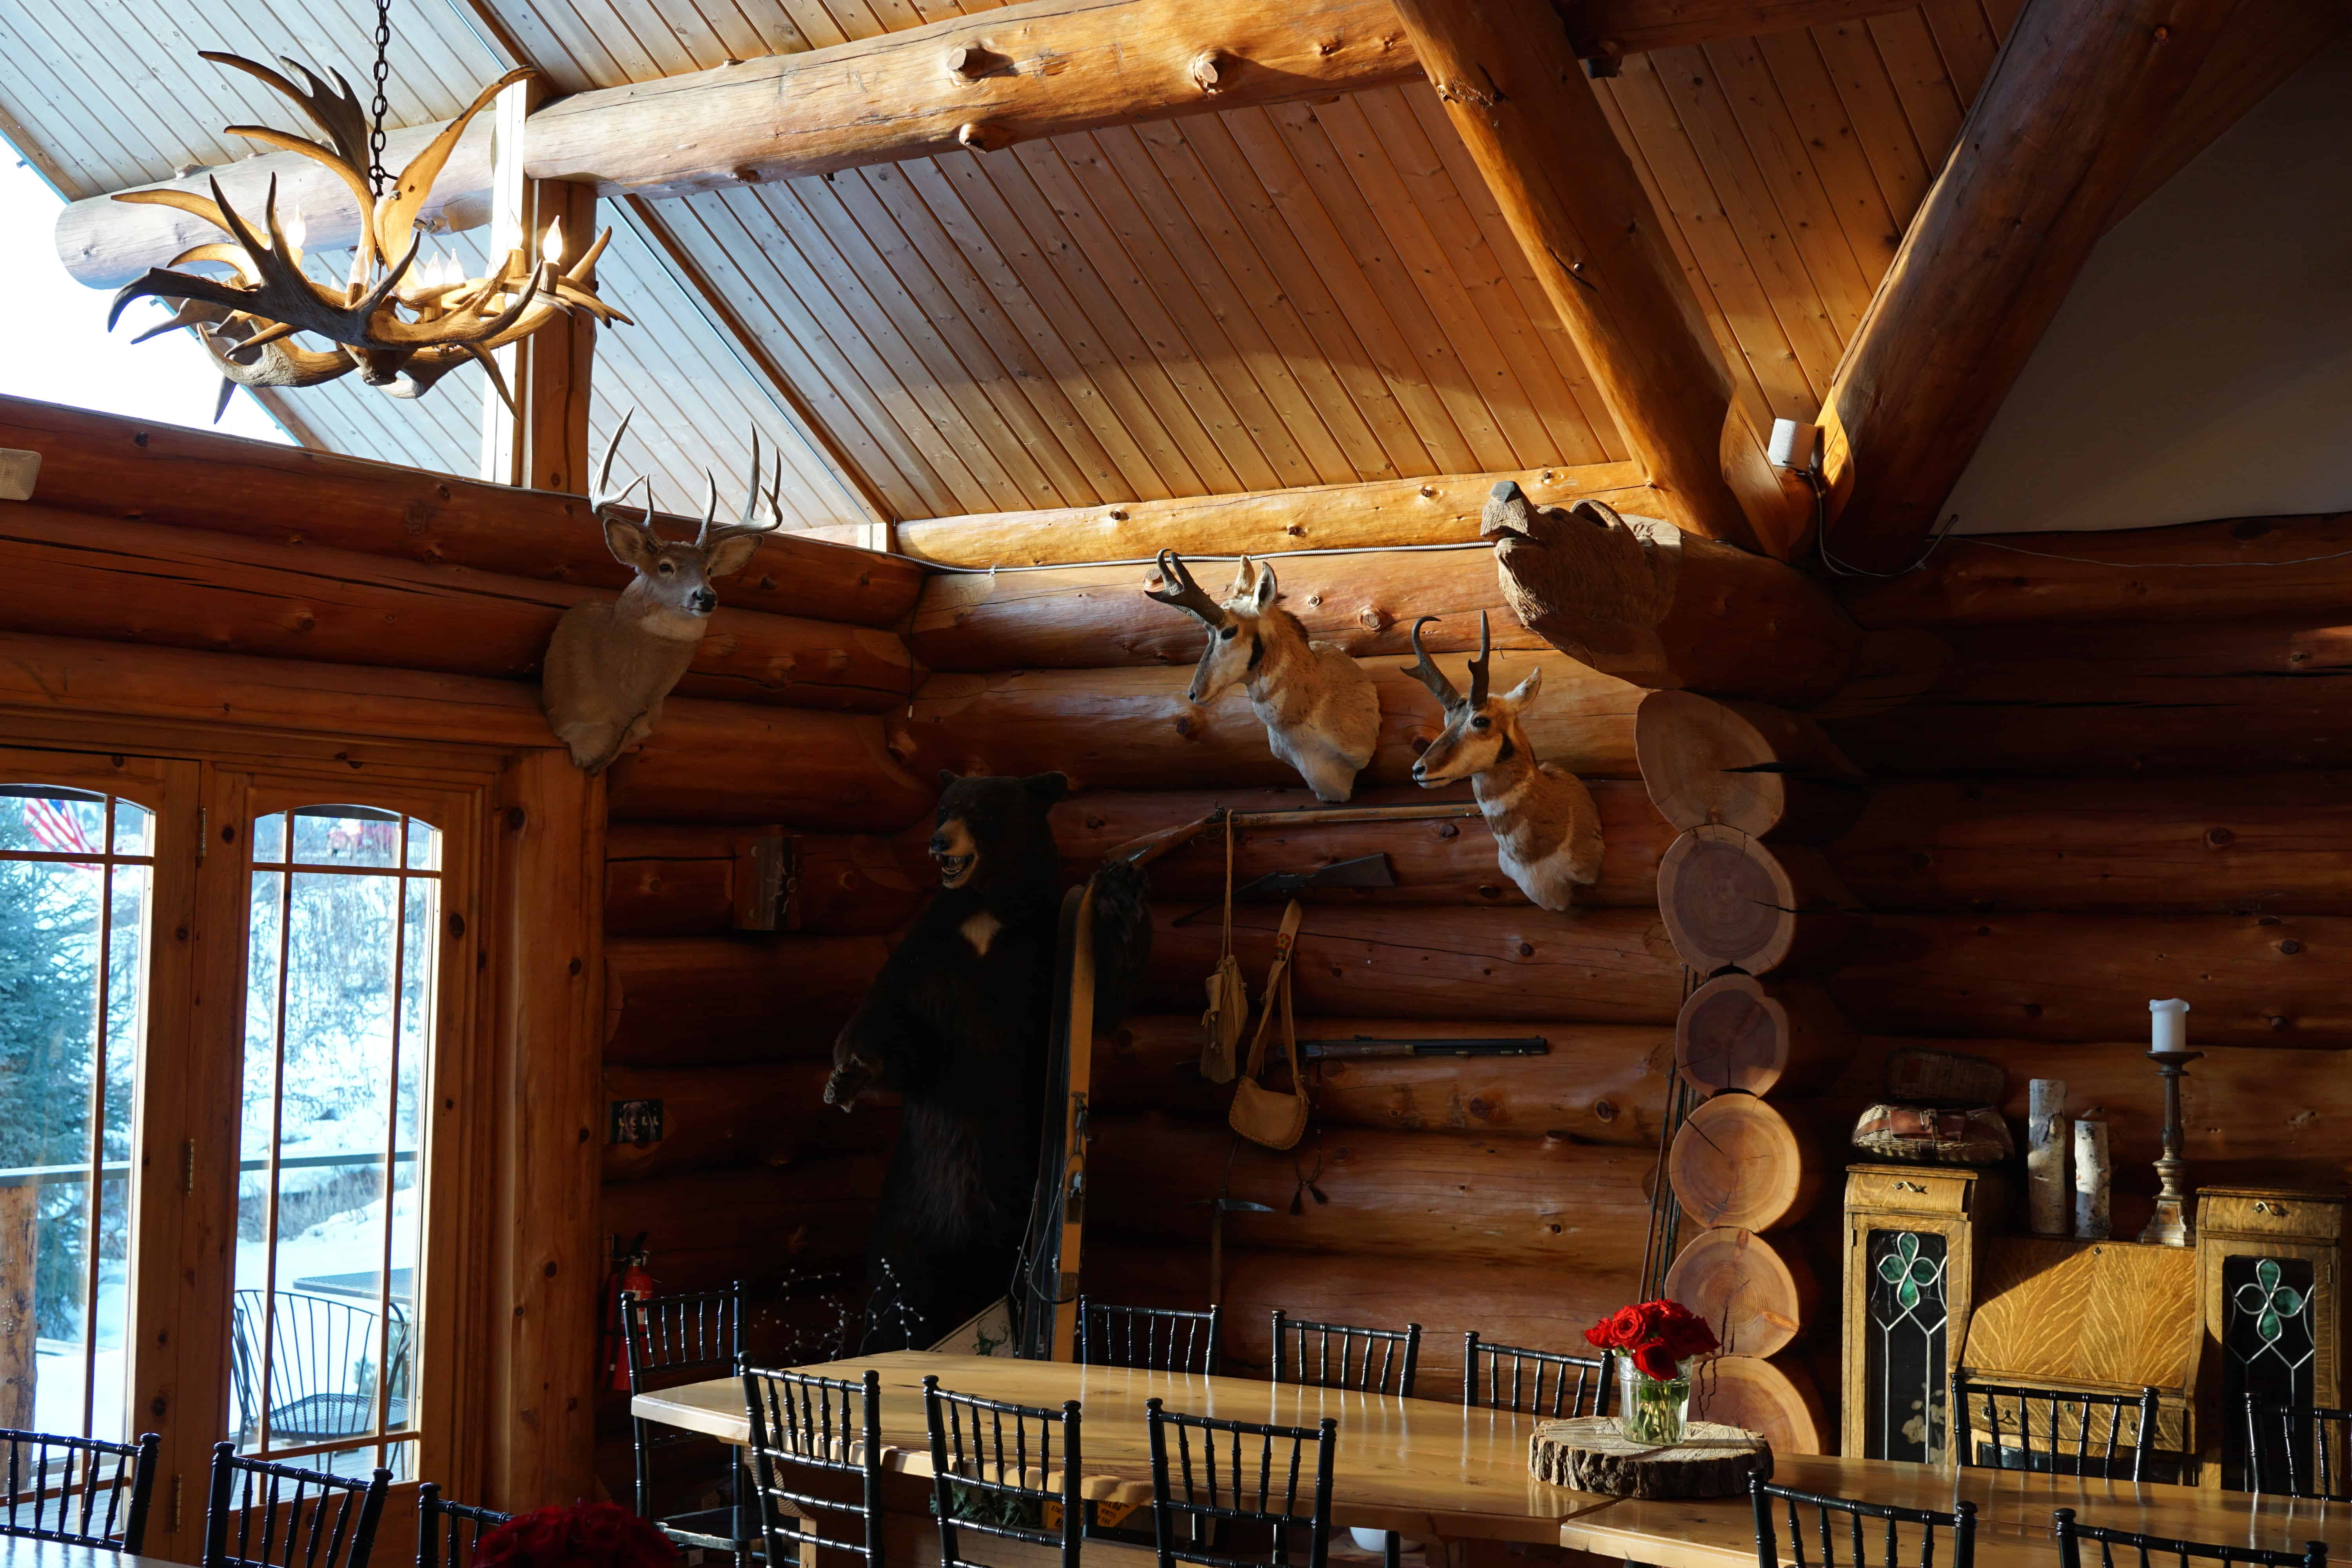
{"points": [[1658, 1335], [585, 1535]]}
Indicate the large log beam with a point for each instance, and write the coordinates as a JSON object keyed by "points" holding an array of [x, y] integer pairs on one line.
{"points": [[197, 588], [1446, 860], [1600, 966], [756, 1116], [1513, 88], [681, 879], [731, 762], [2079, 96], [671, 1001], [1133, 729], [114, 466], [1380, 515], [1042, 69]]}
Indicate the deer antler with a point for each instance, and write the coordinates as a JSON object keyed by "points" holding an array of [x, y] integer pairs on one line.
{"points": [[1478, 666], [710, 535], [1426, 671], [604, 502], [1186, 594]]}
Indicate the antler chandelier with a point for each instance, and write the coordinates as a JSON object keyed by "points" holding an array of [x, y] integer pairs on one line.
{"points": [[401, 325]]}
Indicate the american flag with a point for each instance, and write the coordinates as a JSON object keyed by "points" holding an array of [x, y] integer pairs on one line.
{"points": [[57, 830]]}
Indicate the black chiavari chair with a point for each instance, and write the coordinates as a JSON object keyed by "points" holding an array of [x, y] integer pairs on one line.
{"points": [[810, 1426], [283, 1514], [981, 1480], [2120, 1452], [1371, 1361], [78, 1491], [1960, 1524], [447, 1532], [2071, 1536], [691, 1337], [1160, 1339], [1533, 1382], [2302, 1450], [1259, 1490]]}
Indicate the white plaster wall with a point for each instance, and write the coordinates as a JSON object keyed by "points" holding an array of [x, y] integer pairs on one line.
{"points": [[2202, 366]]}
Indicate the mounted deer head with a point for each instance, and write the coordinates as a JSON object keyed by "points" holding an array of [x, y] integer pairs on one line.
{"points": [[1547, 829], [610, 665], [1320, 712]]}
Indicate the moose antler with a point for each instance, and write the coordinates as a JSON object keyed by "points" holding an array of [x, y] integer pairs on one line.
{"points": [[1186, 595], [1425, 670]]}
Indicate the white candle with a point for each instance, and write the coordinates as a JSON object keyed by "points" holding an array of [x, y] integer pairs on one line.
{"points": [[2167, 1026]]}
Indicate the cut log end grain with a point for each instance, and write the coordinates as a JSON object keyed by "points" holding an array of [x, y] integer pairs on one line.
{"points": [[1739, 1161], [1756, 1297], [1777, 1401], [1591, 1454], [1731, 901], [1739, 1032], [1746, 765]]}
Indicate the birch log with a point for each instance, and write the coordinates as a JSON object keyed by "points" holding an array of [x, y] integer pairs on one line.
{"points": [[2045, 1156], [2090, 1180]]}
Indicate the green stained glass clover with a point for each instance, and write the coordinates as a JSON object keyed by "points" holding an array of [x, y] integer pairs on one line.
{"points": [[1905, 1270], [2271, 1303]]}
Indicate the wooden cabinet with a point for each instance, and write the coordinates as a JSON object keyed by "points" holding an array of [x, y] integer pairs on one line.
{"points": [[1912, 1240], [2268, 1273]]}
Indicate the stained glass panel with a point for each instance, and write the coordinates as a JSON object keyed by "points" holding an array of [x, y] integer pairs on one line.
{"points": [[1903, 1365]]}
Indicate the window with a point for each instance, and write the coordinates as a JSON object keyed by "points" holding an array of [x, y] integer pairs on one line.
{"points": [[341, 967], [77, 870]]}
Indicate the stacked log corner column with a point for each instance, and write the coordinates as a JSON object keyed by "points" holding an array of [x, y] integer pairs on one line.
{"points": [[1755, 911]]}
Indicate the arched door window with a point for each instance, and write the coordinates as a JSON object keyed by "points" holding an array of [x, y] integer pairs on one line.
{"points": [[342, 967]]}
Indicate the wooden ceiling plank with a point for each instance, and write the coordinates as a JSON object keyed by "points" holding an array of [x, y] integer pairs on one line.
{"points": [[1269, 343], [1173, 276], [1834, 148], [1520, 101], [1366, 241], [2080, 95], [1247, 164], [1033, 298], [1411, 229], [1786, 170], [1074, 453], [1221, 218], [1715, 239], [1051, 240], [1468, 250], [775, 273], [1757, 210], [1966, 39], [1876, 110], [1931, 104], [2003, 15], [1237, 458], [844, 297], [989, 391]]}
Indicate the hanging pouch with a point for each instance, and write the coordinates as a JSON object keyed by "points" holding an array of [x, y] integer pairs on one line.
{"points": [[1228, 1014], [1272, 1117]]}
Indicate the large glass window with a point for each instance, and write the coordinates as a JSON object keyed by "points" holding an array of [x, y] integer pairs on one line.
{"points": [[341, 964], [77, 879]]}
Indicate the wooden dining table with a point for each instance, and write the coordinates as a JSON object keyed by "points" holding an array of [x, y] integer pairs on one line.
{"points": [[18, 1552], [1437, 1470]]}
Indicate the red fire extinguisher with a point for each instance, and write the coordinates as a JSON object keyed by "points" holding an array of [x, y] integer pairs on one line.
{"points": [[628, 1277]]}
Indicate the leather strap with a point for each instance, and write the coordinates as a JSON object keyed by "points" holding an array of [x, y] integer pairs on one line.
{"points": [[1278, 989]]}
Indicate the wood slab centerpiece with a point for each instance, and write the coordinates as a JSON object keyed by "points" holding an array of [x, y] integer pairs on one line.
{"points": [[1592, 1454]]}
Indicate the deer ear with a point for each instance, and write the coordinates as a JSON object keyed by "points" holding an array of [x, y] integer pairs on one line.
{"points": [[1244, 576], [1047, 788], [732, 554], [1267, 590], [1522, 694], [627, 542]]}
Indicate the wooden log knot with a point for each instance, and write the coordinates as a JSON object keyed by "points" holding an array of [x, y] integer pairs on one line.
{"points": [[1591, 1454]]}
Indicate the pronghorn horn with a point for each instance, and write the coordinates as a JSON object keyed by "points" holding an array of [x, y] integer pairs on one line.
{"points": [[1428, 674], [1180, 591], [1478, 666]]}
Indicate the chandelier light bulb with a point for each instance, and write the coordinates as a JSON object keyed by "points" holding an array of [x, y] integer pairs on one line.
{"points": [[553, 249], [297, 231]]}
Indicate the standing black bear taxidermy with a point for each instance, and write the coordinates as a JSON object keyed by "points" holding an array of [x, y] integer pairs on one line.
{"points": [[958, 1023]]}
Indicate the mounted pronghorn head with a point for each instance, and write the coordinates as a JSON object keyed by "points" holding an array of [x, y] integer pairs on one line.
{"points": [[1481, 729], [674, 576], [1239, 628]]}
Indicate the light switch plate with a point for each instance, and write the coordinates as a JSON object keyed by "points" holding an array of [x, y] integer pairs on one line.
{"points": [[18, 469]]}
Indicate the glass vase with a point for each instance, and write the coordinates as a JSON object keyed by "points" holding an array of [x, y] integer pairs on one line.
{"points": [[1651, 1411]]}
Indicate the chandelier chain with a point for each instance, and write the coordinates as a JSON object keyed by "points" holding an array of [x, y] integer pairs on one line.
{"points": [[382, 103]]}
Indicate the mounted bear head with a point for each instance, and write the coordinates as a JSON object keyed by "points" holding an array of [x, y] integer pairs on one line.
{"points": [[993, 833]]}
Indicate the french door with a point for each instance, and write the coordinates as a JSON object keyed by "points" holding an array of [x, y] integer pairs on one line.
{"points": [[226, 991]]}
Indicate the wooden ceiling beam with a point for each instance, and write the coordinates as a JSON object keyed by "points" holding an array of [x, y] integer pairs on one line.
{"points": [[1045, 67], [2079, 98], [1514, 88]]}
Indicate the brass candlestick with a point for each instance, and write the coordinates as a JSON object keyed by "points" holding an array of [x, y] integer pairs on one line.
{"points": [[2170, 1225]]}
